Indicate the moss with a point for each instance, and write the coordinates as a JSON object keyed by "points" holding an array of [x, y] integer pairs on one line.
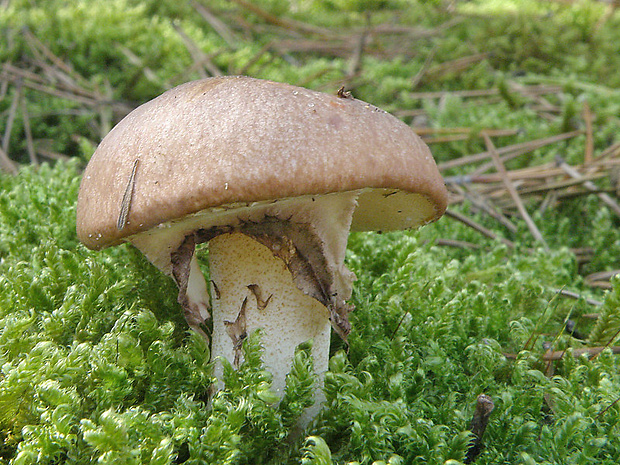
{"points": [[97, 364]]}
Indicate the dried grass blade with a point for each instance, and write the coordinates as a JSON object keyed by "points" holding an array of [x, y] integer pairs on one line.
{"points": [[282, 22], [479, 201], [512, 191], [575, 296], [61, 94], [506, 151], [602, 275], [611, 203], [355, 62], [51, 155], [201, 59], [29, 142], [422, 71], [11, 118], [6, 163], [589, 151], [478, 227], [219, 26]]}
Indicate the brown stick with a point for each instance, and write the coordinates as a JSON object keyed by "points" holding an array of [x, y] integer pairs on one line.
{"points": [[49, 75], [608, 344], [355, 62], [507, 150], [513, 192], [521, 175], [201, 59], [478, 425], [612, 150], [282, 22], [6, 163], [29, 142], [480, 202], [459, 64], [137, 61], [531, 90], [11, 119], [52, 155], [422, 71], [574, 295], [611, 203], [559, 354], [481, 229], [602, 275], [264, 49], [560, 185], [61, 94], [457, 244], [219, 26], [589, 151]]}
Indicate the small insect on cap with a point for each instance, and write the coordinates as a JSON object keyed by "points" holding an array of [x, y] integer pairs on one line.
{"points": [[232, 141]]}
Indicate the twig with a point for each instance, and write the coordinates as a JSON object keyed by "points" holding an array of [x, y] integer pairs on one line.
{"points": [[282, 22], [219, 26], [52, 155], [602, 275], [201, 59], [11, 119], [574, 295], [560, 184], [507, 150], [591, 316], [591, 352], [459, 64], [481, 229], [458, 134], [611, 151], [535, 144], [356, 57], [608, 344], [587, 116], [39, 48], [480, 202], [531, 90], [264, 49], [65, 83], [61, 94], [446, 139], [513, 192], [478, 425], [454, 93], [611, 203], [607, 408], [550, 368], [457, 244], [422, 71], [29, 142], [6, 163], [137, 61]]}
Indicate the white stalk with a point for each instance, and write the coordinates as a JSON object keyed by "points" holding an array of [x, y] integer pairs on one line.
{"points": [[252, 287], [276, 266]]}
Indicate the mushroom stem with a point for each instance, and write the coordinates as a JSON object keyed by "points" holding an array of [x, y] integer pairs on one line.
{"points": [[247, 274], [278, 266]]}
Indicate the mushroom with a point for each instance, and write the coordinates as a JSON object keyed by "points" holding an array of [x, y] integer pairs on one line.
{"points": [[273, 177]]}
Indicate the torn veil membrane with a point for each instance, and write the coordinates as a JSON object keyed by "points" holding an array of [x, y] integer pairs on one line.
{"points": [[301, 243]]}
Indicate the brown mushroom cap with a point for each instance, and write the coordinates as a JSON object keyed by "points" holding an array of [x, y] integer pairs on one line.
{"points": [[237, 140]]}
